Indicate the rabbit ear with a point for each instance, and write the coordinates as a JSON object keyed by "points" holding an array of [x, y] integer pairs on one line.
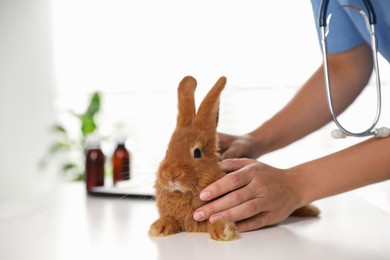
{"points": [[186, 101], [208, 112]]}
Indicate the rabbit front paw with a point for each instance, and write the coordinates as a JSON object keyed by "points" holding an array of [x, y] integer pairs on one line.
{"points": [[223, 231], [164, 226]]}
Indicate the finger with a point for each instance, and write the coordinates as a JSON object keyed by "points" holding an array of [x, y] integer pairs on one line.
{"points": [[232, 165], [260, 220], [231, 152], [224, 185], [224, 141], [242, 211], [224, 203], [238, 148]]}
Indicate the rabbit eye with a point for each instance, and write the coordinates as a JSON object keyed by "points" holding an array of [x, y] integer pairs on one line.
{"points": [[197, 153]]}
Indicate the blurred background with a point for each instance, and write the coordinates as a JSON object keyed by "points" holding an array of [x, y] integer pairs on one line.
{"points": [[55, 54]]}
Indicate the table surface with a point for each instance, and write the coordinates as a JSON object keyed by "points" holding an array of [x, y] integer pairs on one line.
{"points": [[70, 224]]}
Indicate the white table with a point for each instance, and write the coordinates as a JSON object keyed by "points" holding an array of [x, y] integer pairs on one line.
{"points": [[70, 224]]}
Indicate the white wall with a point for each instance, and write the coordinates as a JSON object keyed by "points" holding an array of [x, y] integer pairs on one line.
{"points": [[26, 87], [121, 45], [132, 51], [136, 52]]}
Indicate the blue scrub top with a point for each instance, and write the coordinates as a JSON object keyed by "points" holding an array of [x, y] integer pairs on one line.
{"points": [[348, 29]]}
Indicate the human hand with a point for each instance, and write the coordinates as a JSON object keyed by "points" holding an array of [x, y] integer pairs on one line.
{"points": [[238, 146], [254, 195]]}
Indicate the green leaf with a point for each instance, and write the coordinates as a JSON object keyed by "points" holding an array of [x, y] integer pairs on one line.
{"points": [[94, 105], [75, 114], [69, 166], [88, 124], [59, 128], [79, 177], [59, 146]]}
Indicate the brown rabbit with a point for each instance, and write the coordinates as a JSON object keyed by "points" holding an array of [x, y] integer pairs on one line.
{"points": [[190, 165]]}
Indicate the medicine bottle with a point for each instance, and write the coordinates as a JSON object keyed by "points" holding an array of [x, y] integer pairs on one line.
{"points": [[121, 162], [94, 166]]}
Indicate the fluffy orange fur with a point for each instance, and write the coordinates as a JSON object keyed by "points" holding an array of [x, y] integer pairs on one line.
{"points": [[181, 176]]}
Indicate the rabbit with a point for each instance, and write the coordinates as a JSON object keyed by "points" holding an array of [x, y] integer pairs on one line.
{"points": [[191, 163]]}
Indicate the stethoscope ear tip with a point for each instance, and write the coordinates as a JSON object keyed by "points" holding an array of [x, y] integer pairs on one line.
{"points": [[338, 134], [379, 132], [382, 132]]}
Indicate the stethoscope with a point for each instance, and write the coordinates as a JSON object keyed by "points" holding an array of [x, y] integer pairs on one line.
{"points": [[370, 20]]}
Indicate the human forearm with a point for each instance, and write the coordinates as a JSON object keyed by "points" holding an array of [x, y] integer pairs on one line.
{"points": [[305, 113], [308, 110], [360, 165]]}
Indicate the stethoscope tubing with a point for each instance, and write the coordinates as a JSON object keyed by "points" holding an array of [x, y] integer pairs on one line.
{"points": [[370, 19], [324, 8]]}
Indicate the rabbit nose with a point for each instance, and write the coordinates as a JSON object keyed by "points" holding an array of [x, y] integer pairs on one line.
{"points": [[172, 178]]}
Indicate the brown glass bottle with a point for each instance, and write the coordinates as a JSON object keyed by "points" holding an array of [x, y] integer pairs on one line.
{"points": [[121, 162], [94, 166]]}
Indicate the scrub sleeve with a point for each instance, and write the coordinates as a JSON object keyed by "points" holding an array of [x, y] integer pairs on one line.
{"points": [[348, 29]]}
